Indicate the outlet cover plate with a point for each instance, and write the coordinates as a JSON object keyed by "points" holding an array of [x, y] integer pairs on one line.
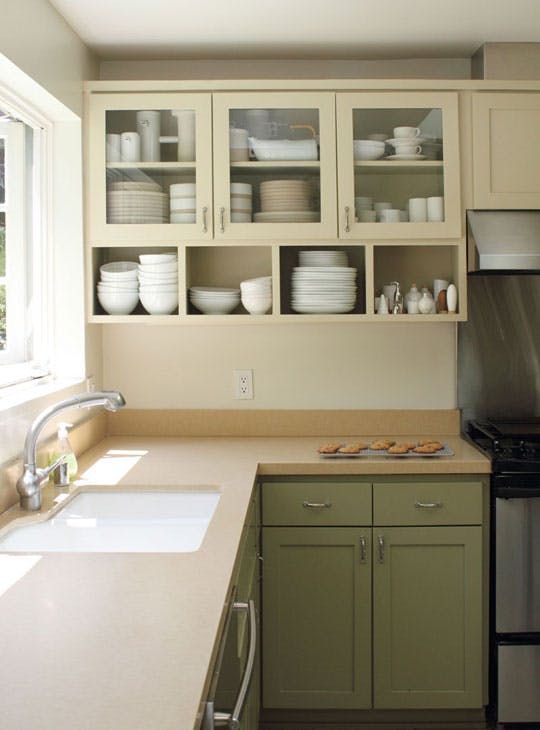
{"points": [[243, 384]]}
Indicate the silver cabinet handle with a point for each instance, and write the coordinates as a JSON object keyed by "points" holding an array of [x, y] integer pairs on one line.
{"points": [[363, 550], [231, 720], [428, 505], [347, 223], [222, 219], [204, 222], [317, 505], [380, 541]]}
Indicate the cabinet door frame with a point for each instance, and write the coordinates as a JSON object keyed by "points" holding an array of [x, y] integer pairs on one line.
{"points": [[448, 102], [324, 101], [97, 228], [384, 602], [482, 106], [274, 696]]}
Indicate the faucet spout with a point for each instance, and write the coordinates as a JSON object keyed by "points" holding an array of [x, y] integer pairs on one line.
{"points": [[29, 483]]}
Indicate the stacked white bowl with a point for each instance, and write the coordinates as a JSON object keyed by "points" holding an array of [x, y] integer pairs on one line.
{"points": [[158, 282], [368, 149], [136, 202], [323, 283], [214, 299], [363, 206], [257, 294], [183, 202], [118, 289], [241, 202]]}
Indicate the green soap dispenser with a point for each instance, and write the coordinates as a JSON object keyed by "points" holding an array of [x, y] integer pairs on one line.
{"points": [[66, 472]]}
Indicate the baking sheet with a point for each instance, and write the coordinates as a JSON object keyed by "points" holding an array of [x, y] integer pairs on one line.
{"points": [[446, 451]]}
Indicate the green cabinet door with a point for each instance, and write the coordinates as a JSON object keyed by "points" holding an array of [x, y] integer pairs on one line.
{"points": [[316, 617], [427, 584]]}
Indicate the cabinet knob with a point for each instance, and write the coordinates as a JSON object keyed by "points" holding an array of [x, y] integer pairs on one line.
{"points": [[347, 222]]}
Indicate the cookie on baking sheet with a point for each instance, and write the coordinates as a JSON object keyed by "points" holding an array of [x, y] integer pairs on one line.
{"points": [[428, 442], [381, 445], [426, 449], [409, 444], [399, 449], [352, 448], [329, 448]]}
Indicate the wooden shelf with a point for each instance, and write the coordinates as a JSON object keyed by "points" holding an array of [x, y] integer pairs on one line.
{"points": [[250, 319], [256, 167], [167, 166], [407, 167]]}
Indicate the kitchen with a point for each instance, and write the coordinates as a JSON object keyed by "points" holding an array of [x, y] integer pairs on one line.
{"points": [[347, 375]]}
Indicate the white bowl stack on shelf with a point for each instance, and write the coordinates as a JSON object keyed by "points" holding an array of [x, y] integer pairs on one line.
{"points": [[241, 202], [183, 202], [323, 283], [286, 201], [118, 289], [158, 282], [214, 299], [257, 294], [368, 149], [130, 201]]}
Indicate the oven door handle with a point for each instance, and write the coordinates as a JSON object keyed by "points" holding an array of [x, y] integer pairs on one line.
{"points": [[517, 492]]}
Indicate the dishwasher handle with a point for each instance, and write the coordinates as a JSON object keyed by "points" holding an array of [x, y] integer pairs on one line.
{"points": [[231, 720]]}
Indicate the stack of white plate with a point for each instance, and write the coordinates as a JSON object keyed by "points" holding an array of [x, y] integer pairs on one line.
{"points": [[118, 290], [323, 289], [183, 202], [158, 282], [136, 202], [287, 201], [241, 202], [214, 299], [320, 257], [257, 294]]}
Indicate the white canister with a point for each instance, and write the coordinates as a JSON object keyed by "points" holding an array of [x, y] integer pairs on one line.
{"points": [[451, 298], [238, 144], [130, 147], [112, 149], [186, 134], [149, 129], [435, 210], [418, 210]]}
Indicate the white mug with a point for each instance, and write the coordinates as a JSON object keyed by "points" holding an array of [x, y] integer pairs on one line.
{"points": [[407, 148], [390, 215], [435, 210], [418, 210], [130, 147], [148, 127], [409, 132], [113, 148], [186, 134]]}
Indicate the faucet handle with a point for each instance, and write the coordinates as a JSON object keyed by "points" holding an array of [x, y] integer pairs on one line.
{"points": [[44, 472]]}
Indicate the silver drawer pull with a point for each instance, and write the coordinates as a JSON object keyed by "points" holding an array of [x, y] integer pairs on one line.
{"points": [[204, 222], [317, 505], [363, 550], [380, 541], [428, 505]]}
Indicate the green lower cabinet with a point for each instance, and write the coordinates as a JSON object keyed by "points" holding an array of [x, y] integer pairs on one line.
{"points": [[427, 609], [317, 617]]}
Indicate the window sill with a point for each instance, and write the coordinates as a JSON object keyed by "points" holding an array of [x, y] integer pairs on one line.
{"points": [[25, 393]]}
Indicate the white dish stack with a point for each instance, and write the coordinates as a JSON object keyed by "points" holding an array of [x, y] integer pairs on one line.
{"points": [[183, 202], [323, 283], [118, 289], [257, 294], [286, 201], [136, 202], [241, 202], [158, 282], [214, 299]]}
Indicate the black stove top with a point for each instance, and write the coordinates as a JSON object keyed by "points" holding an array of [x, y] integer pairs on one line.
{"points": [[513, 446]]}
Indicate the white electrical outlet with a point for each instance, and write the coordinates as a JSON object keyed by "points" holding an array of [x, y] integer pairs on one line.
{"points": [[243, 384]]}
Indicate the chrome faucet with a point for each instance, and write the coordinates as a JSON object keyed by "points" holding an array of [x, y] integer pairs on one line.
{"points": [[29, 483]]}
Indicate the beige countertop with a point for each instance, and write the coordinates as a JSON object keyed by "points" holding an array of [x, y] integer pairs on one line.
{"points": [[124, 641]]}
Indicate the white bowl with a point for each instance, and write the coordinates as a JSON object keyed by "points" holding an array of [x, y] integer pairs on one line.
{"points": [[126, 276], [166, 267], [257, 306], [183, 204], [157, 258], [241, 188], [213, 290], [368, 149], [158, 275], [118, 267], [212, 306], [131, 285], [119, 302], [183, 218], [183, 190], [167, 286], [159, 302]]}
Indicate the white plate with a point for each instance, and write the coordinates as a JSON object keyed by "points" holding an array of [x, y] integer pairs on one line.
{"points": [[405, 157], [303, 216], [406, 140], [337, 309], [127, 185]]}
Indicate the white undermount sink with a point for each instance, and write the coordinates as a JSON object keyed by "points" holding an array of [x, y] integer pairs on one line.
{"points": [[120, 522]]}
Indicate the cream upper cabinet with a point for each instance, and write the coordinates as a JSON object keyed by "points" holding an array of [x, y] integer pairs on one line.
{"points": [[506, 150], [149, 167], [399, 153], [274, 165]]}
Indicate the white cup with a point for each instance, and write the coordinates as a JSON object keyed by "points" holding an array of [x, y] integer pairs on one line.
{"points": [[186, 134], [407, 148], [435, 210], [418, 210], [378, 136], [380, 207], [130, 147], [113, 148], [389, 215], [238, 144], [409, 132], [148, 127], [404, 216], [367, 215]]}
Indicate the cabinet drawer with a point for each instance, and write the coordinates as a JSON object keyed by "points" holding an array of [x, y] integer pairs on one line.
{"points": [[316, 503], [427, 503]]}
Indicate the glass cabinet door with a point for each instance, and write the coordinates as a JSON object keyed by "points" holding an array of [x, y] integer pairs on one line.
{"points": [[274, 165], [150, 166], [398, 165]]}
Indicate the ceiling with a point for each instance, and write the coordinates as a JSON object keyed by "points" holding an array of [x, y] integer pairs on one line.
{"points": [[298, 28]]}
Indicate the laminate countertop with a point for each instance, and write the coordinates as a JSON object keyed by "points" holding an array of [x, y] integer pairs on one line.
{"points": [[125, 641]]}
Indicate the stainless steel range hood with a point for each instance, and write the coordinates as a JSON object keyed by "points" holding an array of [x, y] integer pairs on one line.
{"points": [[505, 240]]}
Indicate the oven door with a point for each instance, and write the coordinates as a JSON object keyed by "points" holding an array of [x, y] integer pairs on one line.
{"points": [[518, 683], [517, 560]]}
